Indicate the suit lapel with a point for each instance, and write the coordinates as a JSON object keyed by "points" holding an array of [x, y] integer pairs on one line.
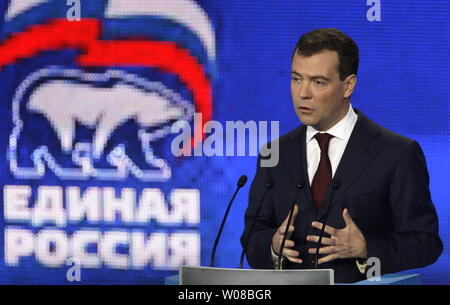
{"points": [[357, 156]]}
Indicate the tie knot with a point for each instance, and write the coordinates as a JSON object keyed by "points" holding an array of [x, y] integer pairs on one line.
{"points": [[323, 139]]}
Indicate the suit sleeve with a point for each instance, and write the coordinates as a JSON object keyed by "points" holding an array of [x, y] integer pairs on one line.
{"points": [[258, 251], [414, 241]]}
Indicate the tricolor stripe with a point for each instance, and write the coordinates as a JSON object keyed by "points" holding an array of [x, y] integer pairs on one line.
{"points": [[84, 36], [185, 12], [17, 7]]}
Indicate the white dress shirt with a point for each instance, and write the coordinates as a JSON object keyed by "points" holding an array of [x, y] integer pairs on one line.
{"points": [[341, 134]]}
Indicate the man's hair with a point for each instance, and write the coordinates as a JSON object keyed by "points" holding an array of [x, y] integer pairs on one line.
{"points": [[331, 39]]}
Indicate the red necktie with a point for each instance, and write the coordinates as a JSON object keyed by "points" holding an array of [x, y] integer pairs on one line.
{"points": [[322, 178]]}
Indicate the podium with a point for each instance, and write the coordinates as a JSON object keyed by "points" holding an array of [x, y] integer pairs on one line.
{"points": [[216, 276], [194, 275]]}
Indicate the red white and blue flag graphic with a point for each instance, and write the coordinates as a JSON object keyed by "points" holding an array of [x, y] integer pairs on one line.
{"points": [[91, 102]]}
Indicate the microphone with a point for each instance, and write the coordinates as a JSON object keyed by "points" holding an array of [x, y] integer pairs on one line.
{"points": [[300, 186], [336, 184], [268, 186], [241, 183]]}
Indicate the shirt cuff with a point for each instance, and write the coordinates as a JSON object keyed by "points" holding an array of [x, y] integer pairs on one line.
{"points": [[274, 256], [275, 260]]}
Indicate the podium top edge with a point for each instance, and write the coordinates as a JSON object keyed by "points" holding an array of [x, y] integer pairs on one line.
{"points": [[253, 270]]}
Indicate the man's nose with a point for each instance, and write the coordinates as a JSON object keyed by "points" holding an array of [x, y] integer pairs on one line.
{"points": [[305, 91]]}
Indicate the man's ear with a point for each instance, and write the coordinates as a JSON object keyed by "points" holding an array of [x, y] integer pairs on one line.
{"points": [[350, 83]]}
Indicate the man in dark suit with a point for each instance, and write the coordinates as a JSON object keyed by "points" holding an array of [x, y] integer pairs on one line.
{"points": [[368, 184]]}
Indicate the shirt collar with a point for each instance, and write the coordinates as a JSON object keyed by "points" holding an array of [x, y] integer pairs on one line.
{"points": [[341, 130]]}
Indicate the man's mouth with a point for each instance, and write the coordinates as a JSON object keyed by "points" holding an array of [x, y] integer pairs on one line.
{"points": [[305, 110]]}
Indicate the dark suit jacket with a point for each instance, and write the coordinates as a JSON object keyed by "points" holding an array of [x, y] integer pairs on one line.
{"points": [[384, 183]]}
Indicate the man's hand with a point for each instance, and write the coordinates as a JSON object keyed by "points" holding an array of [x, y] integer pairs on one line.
{"points": [[277, 239], [348, 242]]}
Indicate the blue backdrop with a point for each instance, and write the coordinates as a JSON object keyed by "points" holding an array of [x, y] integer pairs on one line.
{"points": [[229, 61]]}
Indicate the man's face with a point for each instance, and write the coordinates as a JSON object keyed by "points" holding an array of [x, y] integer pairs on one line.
{"points": [[320, 98]]}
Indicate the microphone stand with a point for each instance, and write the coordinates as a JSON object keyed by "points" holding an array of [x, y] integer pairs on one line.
{"points": [[300, 186], [241, 182], [336, 184]]}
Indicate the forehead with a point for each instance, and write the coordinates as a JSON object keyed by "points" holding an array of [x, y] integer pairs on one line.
{"points": [[323, 63]]}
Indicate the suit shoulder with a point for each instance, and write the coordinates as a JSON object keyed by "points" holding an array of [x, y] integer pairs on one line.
{"points": [[387, 136], [288, 137], [292, 135]]}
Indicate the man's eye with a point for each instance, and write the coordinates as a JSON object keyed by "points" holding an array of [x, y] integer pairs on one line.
{"points": [[295, 79], [319, 83]]}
